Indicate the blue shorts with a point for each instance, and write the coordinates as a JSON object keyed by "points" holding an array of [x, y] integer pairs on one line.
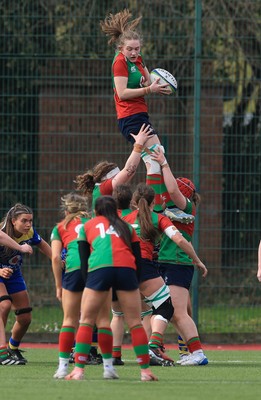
{"points": [[15, 283], [132, 124], [73, 281], [149, 270], [118, 278], [176, 274]]}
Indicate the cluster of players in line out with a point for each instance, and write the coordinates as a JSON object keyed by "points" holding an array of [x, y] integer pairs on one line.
{"points": [[117, 249]]}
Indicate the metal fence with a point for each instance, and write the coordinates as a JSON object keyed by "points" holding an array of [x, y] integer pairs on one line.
{"points": [[58, 119]]}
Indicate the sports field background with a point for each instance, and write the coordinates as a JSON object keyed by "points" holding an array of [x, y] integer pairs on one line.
{"points": [[58, 119]]}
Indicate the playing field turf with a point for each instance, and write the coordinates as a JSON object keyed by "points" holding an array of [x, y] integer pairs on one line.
{"points": [[229, 375]]}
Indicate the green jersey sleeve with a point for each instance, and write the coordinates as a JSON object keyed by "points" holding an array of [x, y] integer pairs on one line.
{"points": [[55, 234]]}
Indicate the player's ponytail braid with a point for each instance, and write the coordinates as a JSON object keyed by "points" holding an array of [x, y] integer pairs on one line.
{"points": [[143, 197], [116, 25]]}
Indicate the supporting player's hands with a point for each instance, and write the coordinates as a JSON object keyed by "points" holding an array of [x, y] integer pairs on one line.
{"points": [[143, 134], [158, 156], [6, 273]]}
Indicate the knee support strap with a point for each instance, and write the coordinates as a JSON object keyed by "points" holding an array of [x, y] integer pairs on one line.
{"points": [[165, 311], [117, 313], [5, 297], [23, 311]]}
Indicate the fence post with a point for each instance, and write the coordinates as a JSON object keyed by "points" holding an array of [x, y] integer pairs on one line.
{"points": [[196, 151]]}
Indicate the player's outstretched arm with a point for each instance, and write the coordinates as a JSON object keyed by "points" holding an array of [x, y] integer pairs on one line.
{"points": [[6, 240], [169, 179], [133, 161]]}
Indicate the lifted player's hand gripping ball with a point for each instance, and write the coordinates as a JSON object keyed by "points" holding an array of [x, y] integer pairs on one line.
{"points": [[165, 77]]}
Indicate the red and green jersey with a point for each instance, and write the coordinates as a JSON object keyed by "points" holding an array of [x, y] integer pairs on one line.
{"points": [[101, 189], [68, 237], [160, 222], [108, 249], [169, 251], [122, 66], [123, 213]]}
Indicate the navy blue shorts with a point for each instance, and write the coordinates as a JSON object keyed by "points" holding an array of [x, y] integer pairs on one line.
{"points": [[118, 278], [15, 283], [73, 281], [132, 124], [176, 274], [149, 270]]}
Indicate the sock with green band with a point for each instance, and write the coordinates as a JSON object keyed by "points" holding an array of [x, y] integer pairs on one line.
{"points": [[140, 345], [156, 339], [66, 341], [83, 344], [105, 342]]}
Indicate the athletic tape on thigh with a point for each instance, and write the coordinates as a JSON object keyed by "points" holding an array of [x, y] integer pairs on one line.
{"points": [[145, 313], [148, 302], [158, 297]]}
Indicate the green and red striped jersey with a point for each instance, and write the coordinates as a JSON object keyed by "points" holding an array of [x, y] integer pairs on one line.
{"points": [[108, 249], [68, 236], [159, 221], [122, 66], [101, 189], [169, 251]]}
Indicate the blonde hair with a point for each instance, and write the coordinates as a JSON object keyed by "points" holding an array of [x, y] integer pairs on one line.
{"points": [[119, 28], [75, 205]]}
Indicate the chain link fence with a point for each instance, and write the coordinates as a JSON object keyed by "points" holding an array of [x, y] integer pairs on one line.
{"points": [[58, 119]]}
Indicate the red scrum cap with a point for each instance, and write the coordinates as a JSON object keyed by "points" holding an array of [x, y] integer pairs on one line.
{"points": [[186, 187]]}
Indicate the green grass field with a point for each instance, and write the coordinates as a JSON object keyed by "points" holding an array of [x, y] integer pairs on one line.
{"points": [[229, 375], [211, 320]]}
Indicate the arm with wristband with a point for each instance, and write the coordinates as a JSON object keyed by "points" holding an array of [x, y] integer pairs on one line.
{"points": [[134, 159]]}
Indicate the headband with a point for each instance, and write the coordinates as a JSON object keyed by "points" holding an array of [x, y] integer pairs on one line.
{"points": [[111, 174]]}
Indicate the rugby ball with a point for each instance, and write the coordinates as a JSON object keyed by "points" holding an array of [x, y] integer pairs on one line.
{"points": [[165, 77]]}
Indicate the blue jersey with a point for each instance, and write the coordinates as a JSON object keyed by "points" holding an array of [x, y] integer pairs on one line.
{"points": [[14, 258]]}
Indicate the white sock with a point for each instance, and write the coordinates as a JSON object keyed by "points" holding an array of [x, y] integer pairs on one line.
{"points": [[63, 362], [107, 363], [198, 352]]}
